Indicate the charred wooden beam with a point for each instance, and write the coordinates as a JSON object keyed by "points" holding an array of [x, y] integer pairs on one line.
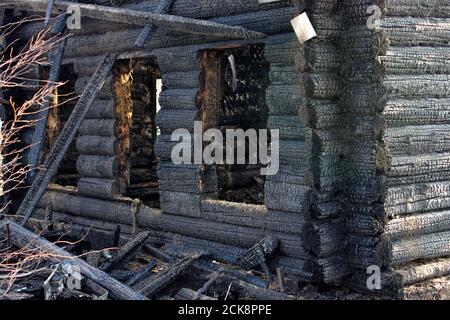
{"points": [[142, 273], [258, 254], [427, 271], [149, 30], [100, 188], [213, 267], [48, 12], [135, 17], [22, 237], [127, 252], [36, 148], [153, 285]]}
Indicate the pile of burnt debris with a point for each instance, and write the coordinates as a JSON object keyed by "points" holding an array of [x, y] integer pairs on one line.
{"points": [[53, 265]]}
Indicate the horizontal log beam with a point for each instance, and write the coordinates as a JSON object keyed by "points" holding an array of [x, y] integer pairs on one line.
{"points": [[424, 272], [139, 18], [428, 246]]}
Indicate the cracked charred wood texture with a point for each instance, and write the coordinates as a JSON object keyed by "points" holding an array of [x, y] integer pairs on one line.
{"points": [[250, 291], [313, 90], [98, 187], [419, 273], [428, 246], [148, 31], [398, 197], [94, 40], [135, 17], [420, 8], [157, 282], [189, 294], [63, 141], [80, 225], [364, 143]]}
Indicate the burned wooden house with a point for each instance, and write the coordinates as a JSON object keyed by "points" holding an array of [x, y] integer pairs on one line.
{"points": [[362, 114]]}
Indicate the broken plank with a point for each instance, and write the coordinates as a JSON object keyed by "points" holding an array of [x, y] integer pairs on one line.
{"points": [[62, 144], [22, 237]]}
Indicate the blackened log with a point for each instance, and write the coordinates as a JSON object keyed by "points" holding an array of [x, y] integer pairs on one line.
{"points": [[363, 252], [101, 188], [153, 285], [120, 212], [98, 166], [323, 238], [423, 272], [101, 127], [327, 270], [127, 252], [284, 99], [149, 30], [434, 85], [158, 253], [429, 246], [171, 120], [135, 17], [105, 93], [103, 109], [210, 266], [179, 99], [258, 254], [422, 111], [418, 224], [182, 80], [164, 145], [249, 291], [139, 276], [98, 145]]}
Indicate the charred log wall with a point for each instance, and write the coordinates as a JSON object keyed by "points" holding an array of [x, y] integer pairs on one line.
{"points": [[116, 140], [363, 175], [103, 141], [321, 116], [397, 179]]}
